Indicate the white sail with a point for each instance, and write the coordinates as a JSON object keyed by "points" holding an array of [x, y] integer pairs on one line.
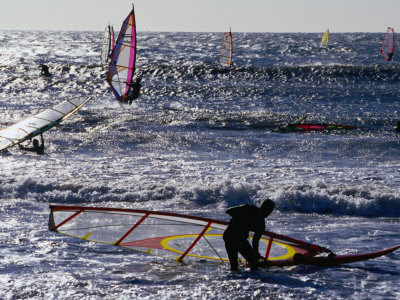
{"points": [[39, 123]]}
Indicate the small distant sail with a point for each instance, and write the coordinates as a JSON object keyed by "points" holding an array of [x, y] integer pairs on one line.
{"points": [[225, 54], [123, 59], [387, 48], [325, 38], [108, 44], [33, 126]]}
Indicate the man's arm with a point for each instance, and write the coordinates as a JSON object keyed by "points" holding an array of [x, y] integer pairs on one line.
{"points": [[256, 242], [26, 148]]}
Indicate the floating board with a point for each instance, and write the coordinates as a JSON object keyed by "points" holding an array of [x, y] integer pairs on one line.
{"points": [[332, 261], [305, 127]]}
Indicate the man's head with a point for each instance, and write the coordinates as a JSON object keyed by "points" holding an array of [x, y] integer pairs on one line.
{"points": [[267, 207], [35, 143]]}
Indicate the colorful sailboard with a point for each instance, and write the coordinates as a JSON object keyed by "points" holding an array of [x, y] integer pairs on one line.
{"points": [[184, 238], [37, 124], [123, 59], [387, 48], [225, 53], [174, 236], [325, 38], [330, 260], [306, 127], [108, 44]]}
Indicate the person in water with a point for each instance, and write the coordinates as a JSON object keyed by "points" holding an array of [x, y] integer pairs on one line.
{"points": [[133, 91], [397, 128], [246, 218], [45, 71], [35, 148]]}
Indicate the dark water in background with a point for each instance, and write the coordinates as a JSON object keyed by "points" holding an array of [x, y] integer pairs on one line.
{"points": [[199, 140]]}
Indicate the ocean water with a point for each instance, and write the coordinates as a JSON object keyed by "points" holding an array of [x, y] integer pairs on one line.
{"points": [[199, 140]]}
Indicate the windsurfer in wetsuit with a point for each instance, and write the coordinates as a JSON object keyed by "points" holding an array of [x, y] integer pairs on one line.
{"points": [[35, 148], [133, 92], [397, 128], [45, 71], [246, 218]]}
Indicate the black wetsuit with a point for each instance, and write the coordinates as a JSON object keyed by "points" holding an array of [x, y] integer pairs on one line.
{"points": [[45, 71], [133, 92], [36, 148], [245, 218]]}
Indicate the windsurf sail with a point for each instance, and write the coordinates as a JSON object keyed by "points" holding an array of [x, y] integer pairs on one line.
{"points": [[123, 59], [35, 125], [387, 48], [325, 38], [225, 54], [174, 236], [108, 44]]}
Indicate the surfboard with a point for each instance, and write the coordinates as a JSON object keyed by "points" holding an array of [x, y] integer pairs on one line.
{"points": [[183, 237], [331, 260], [305, 127]]}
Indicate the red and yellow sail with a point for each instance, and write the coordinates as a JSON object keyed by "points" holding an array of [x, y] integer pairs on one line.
{"points": [[174, 236], [387, 48], [225, 54]]}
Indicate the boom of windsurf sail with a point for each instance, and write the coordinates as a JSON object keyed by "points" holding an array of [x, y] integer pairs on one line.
{"points": [[325, 38], [174, 236], [123, 59], [108, 44], [387, 48], [225, 54], [40, 123]]}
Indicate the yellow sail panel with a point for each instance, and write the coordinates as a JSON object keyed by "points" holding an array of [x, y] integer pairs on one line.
{"points": [[325, 38]]}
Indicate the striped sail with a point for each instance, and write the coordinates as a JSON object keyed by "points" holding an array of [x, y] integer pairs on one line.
{"points": [[123, 58]]}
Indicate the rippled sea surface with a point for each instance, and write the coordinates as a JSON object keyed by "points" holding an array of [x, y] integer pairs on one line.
{"points": [[200, 139]]}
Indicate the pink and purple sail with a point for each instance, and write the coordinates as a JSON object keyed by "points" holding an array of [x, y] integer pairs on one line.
{"points": [[123, 59]]}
